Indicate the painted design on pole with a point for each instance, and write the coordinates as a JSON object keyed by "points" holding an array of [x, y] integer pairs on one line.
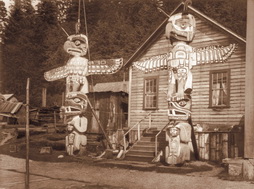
{"points": [[180, 30], [75, 71], [78, 67]]}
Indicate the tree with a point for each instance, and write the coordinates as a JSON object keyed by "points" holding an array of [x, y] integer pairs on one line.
{"points": [[26, 49], [224, 12], [3, 17], [17, 56], [33, 39]]}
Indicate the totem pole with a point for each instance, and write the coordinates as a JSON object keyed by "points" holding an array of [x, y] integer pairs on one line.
{"points": [[75, 72], [180, 30]]}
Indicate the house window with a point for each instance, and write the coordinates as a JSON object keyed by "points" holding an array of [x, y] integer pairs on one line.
{"points": [[150, 93], [219, 89]]}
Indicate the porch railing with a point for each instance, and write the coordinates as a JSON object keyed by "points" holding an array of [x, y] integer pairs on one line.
{"points": [[137, 125], [156, 139]]}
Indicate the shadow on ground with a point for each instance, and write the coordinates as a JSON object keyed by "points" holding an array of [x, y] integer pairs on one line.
{"points": [[56, 142]]}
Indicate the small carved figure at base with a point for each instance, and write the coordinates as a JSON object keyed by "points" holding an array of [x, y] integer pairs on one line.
{"points": [[178, 137], [76, 140]]}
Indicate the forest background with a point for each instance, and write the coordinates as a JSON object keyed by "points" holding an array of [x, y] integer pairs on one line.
{"points": [[32, 39]]}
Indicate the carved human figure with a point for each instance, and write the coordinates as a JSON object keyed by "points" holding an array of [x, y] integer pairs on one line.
{"points": [[76, 139], [76, 46], [180, 30], [179, 61], [74, 114], [178, 136], [77, 68]]}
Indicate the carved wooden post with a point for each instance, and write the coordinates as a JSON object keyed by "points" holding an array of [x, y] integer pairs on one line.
{"points": [[249, 88]]}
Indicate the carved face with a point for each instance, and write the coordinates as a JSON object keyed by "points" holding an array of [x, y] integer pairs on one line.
{"points": [[75, 104], [174, 131], [179, 110], [181, 27], [76, 45]]}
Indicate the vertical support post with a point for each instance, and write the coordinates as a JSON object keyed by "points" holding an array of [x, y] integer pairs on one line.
{"points": [[44, 97], [55, 121], [1, 71], [249, 88], [156, 146], [138, 131], [27, 134], [63, 98], [124, 143], [150, 120], [129, 97], [99, 123]]}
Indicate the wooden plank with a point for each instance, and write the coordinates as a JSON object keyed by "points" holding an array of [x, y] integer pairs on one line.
{"points": [[207, 145], [212, 147], [218, 147], [205, 36], [224, 145], [201, 146]]}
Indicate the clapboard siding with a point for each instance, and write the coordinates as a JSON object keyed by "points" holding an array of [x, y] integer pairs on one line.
{"points": [[206, 35], [201, 113]]}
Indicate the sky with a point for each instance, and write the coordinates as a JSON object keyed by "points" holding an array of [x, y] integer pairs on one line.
{"points": [[8, 3]]}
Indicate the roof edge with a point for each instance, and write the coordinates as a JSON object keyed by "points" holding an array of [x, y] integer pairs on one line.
{"points": [[149, 39], [218, 24], [143, 47]]}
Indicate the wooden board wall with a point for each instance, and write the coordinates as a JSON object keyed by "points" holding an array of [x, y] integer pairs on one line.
{"points": [[108, 106], [206, 35]]}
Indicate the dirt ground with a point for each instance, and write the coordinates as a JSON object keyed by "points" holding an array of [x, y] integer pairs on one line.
{"points": [[50, 171]]}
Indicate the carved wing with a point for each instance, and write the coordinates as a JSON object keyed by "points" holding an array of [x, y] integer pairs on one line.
{"points": [[57, 73], [154, 63], [211, 54], [107, 66], [214, 54]]}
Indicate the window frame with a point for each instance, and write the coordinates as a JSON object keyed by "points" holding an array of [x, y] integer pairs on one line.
{"points": [[156, 78], [227, 73]]}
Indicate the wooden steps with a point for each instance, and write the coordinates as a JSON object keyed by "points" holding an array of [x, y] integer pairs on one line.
{"points": [[144, 150]]}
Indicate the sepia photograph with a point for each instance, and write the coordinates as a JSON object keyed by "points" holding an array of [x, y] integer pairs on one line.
{"points": [[126, 94]]}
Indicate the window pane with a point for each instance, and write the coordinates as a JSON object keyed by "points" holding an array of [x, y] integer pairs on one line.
{"points": [[219, 89], [154, 86], [150, 93]]}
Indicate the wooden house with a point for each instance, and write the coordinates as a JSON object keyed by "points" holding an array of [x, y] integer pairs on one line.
{"points": [[10, 97], [215, 118], [11, 111], [110, 104]]}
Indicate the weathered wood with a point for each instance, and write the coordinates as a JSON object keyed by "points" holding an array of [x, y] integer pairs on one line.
{"points": [[249, 88], [27, 178], [224, 145], [212, 146], [44, 97], [207, 144], [216, 146]]}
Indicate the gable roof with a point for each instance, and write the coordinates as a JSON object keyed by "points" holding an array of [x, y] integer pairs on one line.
{"points": [[161, 28], [8, 96], [10, 107]]}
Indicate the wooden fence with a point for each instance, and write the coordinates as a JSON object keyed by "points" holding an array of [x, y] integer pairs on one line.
{"points": [[215, 146]]}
